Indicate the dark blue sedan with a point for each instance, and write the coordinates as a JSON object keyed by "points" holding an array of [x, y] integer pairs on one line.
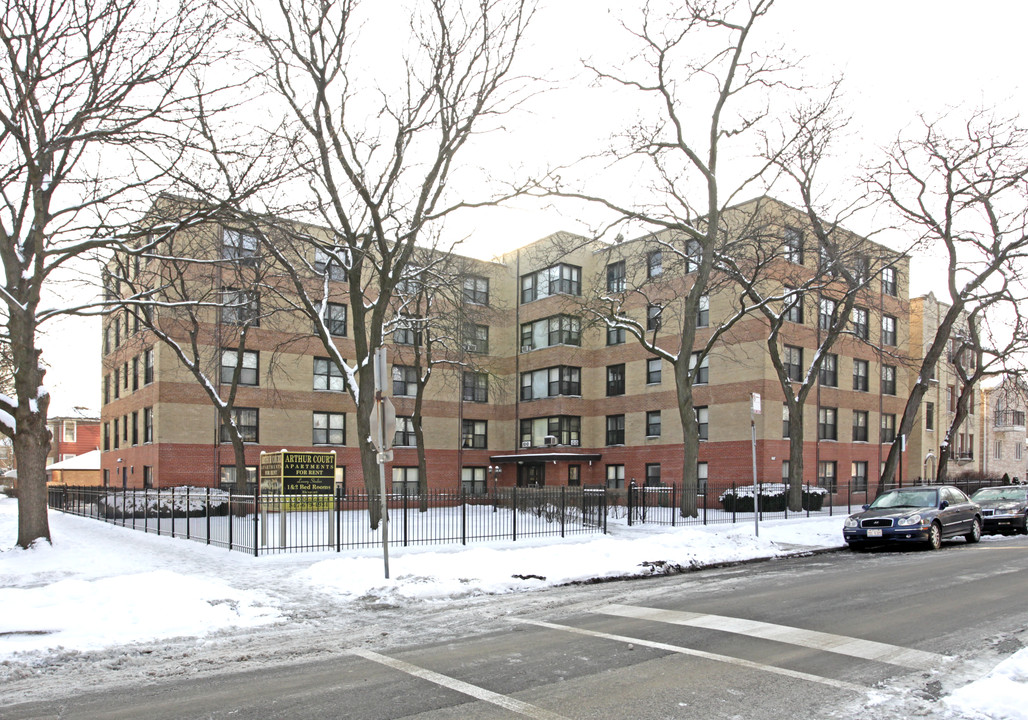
{"points": [[918, 514]]}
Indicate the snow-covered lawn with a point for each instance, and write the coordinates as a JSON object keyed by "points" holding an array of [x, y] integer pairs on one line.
{"points": [[100, 585]]}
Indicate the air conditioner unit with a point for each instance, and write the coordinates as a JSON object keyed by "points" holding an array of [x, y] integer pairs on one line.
{"points": [[470, 347], [526, 443], [575, 443], [527, 348], [549, 440]]}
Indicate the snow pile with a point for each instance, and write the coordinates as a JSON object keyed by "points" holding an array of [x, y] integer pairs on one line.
{"points": [[1000, 695]]}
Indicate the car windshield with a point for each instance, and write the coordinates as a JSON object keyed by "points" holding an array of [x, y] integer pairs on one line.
{"points": [[906, 498], [1000, 493]]}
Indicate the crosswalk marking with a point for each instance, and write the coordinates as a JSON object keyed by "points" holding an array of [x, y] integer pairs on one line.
{"points": [[504, 701], [841, 644], [840, 684]]}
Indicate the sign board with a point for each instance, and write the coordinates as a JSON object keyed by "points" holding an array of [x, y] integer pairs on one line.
{"points": [[755, 403], [298, 473], [388, 412]]}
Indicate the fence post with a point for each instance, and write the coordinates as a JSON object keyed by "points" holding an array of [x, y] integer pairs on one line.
{"points": [[256, 501], [735, 502], [562, 509], [337, 507], [604, 510], [405, 496], [628, 502], [464, 514], [514, 513], [188, 509], [231, 519], [146, 510], [173, 512], [207, 514], [158, 511]]}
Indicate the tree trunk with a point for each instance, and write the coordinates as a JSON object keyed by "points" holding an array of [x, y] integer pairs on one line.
{"points": [[690, 439], [369, 460], [32, 440], [796, 459]]}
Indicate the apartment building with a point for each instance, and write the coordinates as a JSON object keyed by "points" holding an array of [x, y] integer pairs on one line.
{"points": [[1002, 429], [538, 388], [74, 432]]}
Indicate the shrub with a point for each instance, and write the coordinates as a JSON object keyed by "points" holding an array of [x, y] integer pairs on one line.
{"points": [[774, 497]]}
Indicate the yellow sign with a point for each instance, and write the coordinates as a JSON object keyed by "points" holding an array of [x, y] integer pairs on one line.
{"points": [[298, 473]]}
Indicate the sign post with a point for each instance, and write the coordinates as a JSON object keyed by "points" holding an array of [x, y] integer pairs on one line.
{"points": [[383, 432], [754, 411]]}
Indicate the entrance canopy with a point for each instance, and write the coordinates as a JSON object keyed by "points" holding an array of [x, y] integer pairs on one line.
{"points": [[545, 457]]}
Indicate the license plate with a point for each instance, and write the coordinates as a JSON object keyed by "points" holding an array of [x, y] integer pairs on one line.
{"points": [[874, 532]]}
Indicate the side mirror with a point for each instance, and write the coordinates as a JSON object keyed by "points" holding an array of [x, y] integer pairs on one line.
{"points": [[944, 504], [865, 506]]}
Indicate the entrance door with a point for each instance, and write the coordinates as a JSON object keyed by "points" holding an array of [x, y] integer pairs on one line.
{"points": [[532, 475]]}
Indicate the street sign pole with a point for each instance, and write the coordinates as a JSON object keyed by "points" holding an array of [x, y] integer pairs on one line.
{"points": [[754, 411], [380, 445]]}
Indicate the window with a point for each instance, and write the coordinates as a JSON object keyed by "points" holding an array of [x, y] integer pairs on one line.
{"points": [[327, 375], [475, 387], [405, 381], [889, 281], [793, 306], [125, 375], [785, 421], [117, 437], [107, 389], [117, 382], [335, 319], [888, 427], [701, 477], [148, 366], [653, 423], [246, 361], [405, 436], [615, 477], [702, 422], [826, 475], [246, 421], [329, 428], [1017, 451], [951, 394], [827, 428], [567, 429], [829, 372], [860, 425], [69, 430], [147, 477], [615, 429], [615, 336], [654, 264], [240, 307], [615, 380], [653, 371], [476, 290], [135, 428], [653, 317], [228, 477], [554, 330], [860, 369], [405, 481], [551, 382], [693, 256], [793, 245], [106, 437], [703, 313], [861, 267], [473, 434], [888, 379], [406, 332], [785, 472], [652, 474], [560, 279], [473, 481], [888, 330], [148, 425], [703, 371], [858, 476], [997, 452], [574, 475], [326, 262], [476, 338], [135, 374], [793, 363], [826, 260], [929, 416], [859, 319], [239, 246], [616, 276], [826, 313]]}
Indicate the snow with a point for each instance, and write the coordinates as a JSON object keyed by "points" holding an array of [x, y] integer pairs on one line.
{"points": [[101, 586]]}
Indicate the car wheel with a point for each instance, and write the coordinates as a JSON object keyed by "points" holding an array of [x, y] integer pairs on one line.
{"points": [[976, 531], [935, 536], [1024, 527]]}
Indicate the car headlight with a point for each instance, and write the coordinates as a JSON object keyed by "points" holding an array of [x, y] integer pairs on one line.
{"points": [[910, 520], [850, 522]]}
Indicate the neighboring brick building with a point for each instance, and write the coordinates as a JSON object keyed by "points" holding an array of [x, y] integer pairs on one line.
{"points": [[545, 395], [1002, 429], [74, 432]]}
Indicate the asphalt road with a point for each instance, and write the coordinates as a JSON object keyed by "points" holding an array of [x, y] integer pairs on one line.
{"points": [[814, 637]]}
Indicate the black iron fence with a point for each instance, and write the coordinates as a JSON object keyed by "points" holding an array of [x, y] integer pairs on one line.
{"points": [[283, 523]]}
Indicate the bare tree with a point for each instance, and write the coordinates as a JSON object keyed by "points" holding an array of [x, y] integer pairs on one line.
{"points": [[681, 148], [380, 146], [94, 98], [962, 194]]}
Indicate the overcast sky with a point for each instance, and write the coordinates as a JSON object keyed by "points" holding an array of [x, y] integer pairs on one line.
{"points": [[899, 57]]}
